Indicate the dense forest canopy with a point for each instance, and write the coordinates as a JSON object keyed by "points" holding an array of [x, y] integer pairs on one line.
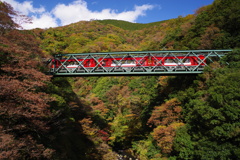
{"points": [[146, 117]]}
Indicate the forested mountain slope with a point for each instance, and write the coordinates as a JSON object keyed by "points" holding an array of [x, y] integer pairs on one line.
{"points": [[129, 25], [148, 117], [211, 27]]}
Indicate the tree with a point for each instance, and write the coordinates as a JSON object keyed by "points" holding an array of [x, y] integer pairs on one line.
{"points": [[167, 119], [183, 145], [7, 15], [212, 113], [166, 114], [24, 109], [6, 21], [211, 33]]}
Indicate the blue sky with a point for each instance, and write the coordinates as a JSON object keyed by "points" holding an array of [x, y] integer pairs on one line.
{"points": [[53, 13]]}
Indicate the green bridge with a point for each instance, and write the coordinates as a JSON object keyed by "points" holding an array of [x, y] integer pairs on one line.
{"points": [[176, 62]]}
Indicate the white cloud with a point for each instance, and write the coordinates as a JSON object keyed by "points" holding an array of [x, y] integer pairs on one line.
{"points": [[78, 10], [25, 7], [44, 21], [133, 15], [72, 12]]}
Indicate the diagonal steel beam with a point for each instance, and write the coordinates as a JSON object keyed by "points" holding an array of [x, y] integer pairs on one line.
{"points": [[154, 60]]}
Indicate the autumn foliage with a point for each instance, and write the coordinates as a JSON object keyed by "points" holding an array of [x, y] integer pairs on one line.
{"points": [[166, 114], [144, 117], [166, 118], [24, 112]]}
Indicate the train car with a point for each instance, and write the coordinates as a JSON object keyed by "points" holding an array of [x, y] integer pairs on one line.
{"points": [[128, 63]]}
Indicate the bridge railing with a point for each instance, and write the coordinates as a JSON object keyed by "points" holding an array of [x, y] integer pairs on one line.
{"points": [[134, 63]]}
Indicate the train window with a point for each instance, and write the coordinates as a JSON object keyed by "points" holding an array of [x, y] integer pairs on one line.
{"points": [[158, 61], [104, 62], [169, 61], [70, 63], [186, 61], [124, 62], [115, 62], [130, 62]]}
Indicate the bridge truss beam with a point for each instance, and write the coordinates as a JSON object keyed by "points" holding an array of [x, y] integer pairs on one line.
{"points": [[134, 63]]}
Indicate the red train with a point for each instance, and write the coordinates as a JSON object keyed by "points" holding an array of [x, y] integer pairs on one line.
{"points": [[129, 62]]}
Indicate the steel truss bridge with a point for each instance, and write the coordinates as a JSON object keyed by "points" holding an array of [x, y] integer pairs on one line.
{"points": [[76, 64]]}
